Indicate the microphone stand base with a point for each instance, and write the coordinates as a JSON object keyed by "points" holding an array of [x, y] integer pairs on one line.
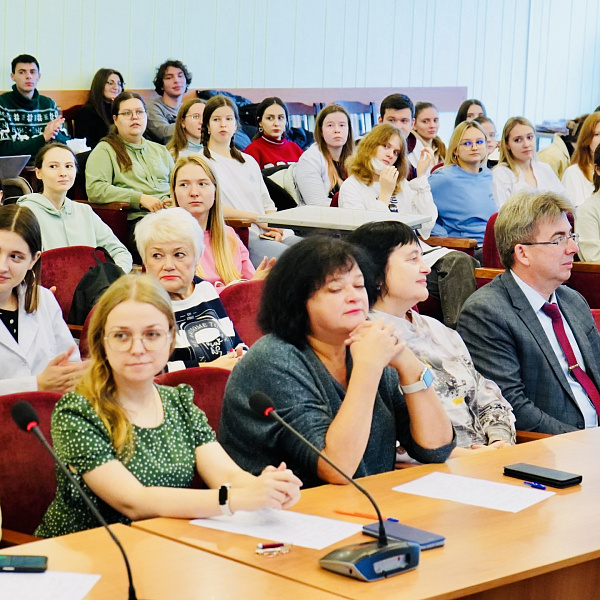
{"points": [[371, 561]]}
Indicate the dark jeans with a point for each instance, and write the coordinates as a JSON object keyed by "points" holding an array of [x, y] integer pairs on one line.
{"points": [[452, 281]]}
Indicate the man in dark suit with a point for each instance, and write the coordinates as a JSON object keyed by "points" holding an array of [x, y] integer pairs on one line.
{"points": [[510, 330]]}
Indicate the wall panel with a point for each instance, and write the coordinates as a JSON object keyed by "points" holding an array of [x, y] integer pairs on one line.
{"points": [[533, 57]]}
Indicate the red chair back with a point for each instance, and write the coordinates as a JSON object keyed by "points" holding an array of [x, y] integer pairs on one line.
{"points": [[209, 387], [596, 315], [64, 268], [335, 200], [27, 481], [84, 349], [585, 278], [242, 303], [491, 258]]}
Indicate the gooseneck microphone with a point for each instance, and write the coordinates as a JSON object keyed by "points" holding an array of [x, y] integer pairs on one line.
{"points": [[367, 561], [26, 418]]}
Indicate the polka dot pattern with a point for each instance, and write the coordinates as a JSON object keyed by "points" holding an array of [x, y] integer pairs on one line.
{"points": [[10, 318], [164, 456]]}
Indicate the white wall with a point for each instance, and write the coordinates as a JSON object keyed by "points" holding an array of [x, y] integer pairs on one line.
{"points": [[538, 58]]}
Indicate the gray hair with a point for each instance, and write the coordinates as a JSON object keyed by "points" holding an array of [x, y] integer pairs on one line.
{"points": [[169, 225], [519, 217]]}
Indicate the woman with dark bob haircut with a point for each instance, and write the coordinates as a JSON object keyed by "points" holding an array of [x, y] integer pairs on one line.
{"points": [[349, 385], [481, 417]]}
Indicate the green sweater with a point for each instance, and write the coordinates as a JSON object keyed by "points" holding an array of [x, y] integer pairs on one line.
{"points": [[149, 174], [23, 120]]}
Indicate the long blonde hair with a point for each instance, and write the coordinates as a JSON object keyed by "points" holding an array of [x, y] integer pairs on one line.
{"points": [[506, 157], [98, 384], [179, 141], [359, 164], [222, 243]]}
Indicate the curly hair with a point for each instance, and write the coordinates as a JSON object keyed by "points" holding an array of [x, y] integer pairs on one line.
{"points": [[160, 75]]}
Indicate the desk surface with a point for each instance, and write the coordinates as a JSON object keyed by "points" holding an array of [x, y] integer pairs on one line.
{"points": [[162, 569], [340, 219], [553, 545]]}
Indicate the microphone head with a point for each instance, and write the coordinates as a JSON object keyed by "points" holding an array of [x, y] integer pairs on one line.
{"points": [[261, 404], [24, 415]]}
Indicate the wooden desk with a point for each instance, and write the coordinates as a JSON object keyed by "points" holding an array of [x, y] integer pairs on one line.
{"points": [[306, 220], [161, 569], [550, 550]]}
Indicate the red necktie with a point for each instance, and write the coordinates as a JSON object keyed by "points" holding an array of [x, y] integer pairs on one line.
{"points": [[580, 375]]}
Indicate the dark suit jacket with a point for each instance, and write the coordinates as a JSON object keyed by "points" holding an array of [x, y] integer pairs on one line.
{"points": [[509, 346]]}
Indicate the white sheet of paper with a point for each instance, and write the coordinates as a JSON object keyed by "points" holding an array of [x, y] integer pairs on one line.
{"points": [[477, 492], [50, 585], [286, 526]]}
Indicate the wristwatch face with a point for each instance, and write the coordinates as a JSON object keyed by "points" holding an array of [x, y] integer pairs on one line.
{"points": [[427, 378]]}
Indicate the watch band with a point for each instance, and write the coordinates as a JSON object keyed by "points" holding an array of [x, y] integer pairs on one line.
{"points": [[423, 383], [224, 499]]}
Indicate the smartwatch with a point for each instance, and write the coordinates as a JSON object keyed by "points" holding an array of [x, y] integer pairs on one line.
{"points": [[424, 383], [224, 499]]}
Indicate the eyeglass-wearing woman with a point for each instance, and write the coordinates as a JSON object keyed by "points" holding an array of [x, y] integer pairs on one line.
{"points": [[187, 137], [518, 167], [462, 188], [135, 446], [94, 118], [125, 167]]}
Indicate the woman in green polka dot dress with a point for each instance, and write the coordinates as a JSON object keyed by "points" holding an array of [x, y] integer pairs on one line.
{"points": [[135, 446]]}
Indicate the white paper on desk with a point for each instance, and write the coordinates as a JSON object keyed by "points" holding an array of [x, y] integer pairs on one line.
{"points": [[295, 528], [50, 585], [477, 492]]}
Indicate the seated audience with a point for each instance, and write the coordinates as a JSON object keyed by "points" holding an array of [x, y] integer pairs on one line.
{"points": [[518, 168], [427, 123], [170, 83], [469, 110], [269, 147], [481, 417], [94, 118], [28, 120], [120, 433], [587, 219], [37, 351], [493, 151], [62, 221], [462, 188], [170, 244], [124, 167], [578, 179], [225, 258], [531, 335], [242, 187], [377, 181], [558, 153], [347, 384], [322, 168], [187, 135]]}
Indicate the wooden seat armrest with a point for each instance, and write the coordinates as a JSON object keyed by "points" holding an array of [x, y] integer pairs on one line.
{"points": [[530, 436], [106, 206], [487, 272], [75, 330], [451, 242], [238, 222], [15, 538]]}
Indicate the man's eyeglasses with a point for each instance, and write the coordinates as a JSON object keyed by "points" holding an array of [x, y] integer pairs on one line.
{"points": [[128, 114], [561, 241]]}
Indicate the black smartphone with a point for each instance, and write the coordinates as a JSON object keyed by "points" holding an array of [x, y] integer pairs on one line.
{"points": [[551, 477], [23, 564]]}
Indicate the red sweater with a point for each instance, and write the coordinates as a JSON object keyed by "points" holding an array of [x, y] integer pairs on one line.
{"points": [[268, 153]]}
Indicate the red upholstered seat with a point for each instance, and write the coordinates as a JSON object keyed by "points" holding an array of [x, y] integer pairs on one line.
{"points": [[27, 481], [491, 258], [209, 386], [242, 303], [64, 268]]}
